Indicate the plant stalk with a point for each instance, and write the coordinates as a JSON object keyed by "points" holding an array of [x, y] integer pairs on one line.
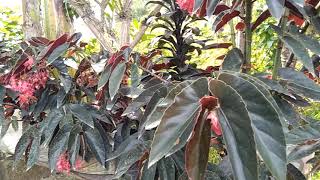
{"points": [[248, 35], [277, 59]]}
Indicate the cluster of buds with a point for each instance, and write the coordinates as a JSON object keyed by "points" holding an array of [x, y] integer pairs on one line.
{"points": [[63, 163], [27, 85], [87, 79]]}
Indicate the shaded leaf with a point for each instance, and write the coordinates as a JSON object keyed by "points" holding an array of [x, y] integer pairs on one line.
{"points": [[155, 116], [300, 83], [166, 168], [237, 131], [265, 122], [304, 133], [96, 144], [276, 8], [177, 118], [116, 78], [22, 144], [104, 77], [57, 52], [295, 47], [34, 150], [79, 111], [58, 145], [211, 6], [302, 151], [50, 124], [197, 149], [233, 60]]}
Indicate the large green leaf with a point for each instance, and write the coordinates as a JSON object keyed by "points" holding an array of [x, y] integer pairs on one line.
{"points": [[197, 149], [166, 168], [302, 151], [96, 144], [116, 78], [233, 60], [300, 83], [304, 133], [58, 145], [50, 123], [265, 122], [297, 48], [155, 116], [127, 160], [276, 8], [104, 77], [177, 118], [80, 111], [74, 145], [237, 131], [148, 173], [22, 144], [56, 53], [34, 150], [160, 93], [143, 98], [307, 41]]}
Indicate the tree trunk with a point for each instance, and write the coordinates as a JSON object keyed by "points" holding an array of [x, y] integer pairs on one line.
{"points": [[82, 7], [125, 23], [64, 24], [50, 26], [31, 18]]}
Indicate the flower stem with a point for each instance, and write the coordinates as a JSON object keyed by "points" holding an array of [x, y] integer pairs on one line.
{"points": [[277, 58]]}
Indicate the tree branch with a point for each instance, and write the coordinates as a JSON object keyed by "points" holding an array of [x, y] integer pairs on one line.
{"points": [[144, 27], [82, 7]]}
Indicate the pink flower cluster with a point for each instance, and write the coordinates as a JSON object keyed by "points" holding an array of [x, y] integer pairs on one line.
{"points": [[27, 86], [63, 164]]}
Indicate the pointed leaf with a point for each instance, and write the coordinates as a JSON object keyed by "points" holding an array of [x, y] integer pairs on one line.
{"points": [[276, 8], [197, 149], [300, 83], [302, 151], [116, 78], [58, 145], [265, 122], [177, 118], [297, 48], [56, 53], [79, 111], [51, 122], [304, 133], [233, 60], [237, 131], [22, 145], [96, 144], [34, 150], [104, 77], [155, 116]]}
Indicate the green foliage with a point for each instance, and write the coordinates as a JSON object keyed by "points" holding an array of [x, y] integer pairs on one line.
{"points": [[158, 118], [10, 28]]}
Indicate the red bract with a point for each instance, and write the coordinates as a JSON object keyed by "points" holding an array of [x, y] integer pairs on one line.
{"points": [[63, 163], [209, 102], [188, 6], [215, 125], [26, 86]]}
